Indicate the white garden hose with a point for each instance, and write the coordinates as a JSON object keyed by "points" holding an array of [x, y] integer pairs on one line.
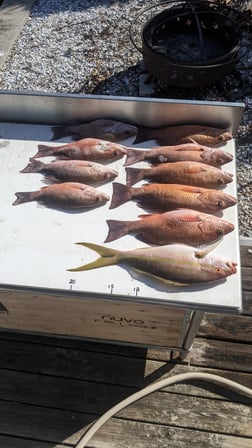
{"points": [[234, 386]]}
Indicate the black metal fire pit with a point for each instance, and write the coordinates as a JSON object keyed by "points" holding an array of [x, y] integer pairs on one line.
{"points": [[190, 44]]}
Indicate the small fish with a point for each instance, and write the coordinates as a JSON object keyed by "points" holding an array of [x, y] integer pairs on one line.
{"points": [[164, 197], [174, 264], [176, 135], [177, 226], [72, 171], [68, 195], [177, 153], [91, 149], [187, 173], [111, 130]]}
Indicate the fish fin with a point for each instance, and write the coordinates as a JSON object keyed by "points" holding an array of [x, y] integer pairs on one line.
{"points": [[58, 132], [191, 140], [189, 218], [50, 179], [147, 215], [159, 279], [121, 194], [43, 151], [185, 148], [189, 188], [195, 170], [134, 156], [34, 166], [108, 257], [204, 250], [22, 197], [108, 136], [133, 175], [117, 229]]}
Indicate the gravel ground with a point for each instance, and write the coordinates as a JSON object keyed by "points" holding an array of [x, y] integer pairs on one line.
{"points": [[83, 46]]}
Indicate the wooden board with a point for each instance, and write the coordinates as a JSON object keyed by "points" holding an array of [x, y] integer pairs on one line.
{"points": [[94, 319]]}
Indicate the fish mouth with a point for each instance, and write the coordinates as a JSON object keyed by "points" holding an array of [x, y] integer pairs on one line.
{"points": [[225, 136], [232, 266]]}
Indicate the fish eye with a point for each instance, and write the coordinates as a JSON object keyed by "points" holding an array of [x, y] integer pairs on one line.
{"points": [[219, 204], [219, 232], [97, 199], [218, 270]]}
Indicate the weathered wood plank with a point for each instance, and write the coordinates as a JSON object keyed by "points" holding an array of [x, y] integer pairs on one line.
{"points": [[76, 344], [223, 327], [159, 408], [42, 423], [246, 275], [14, 442], [247, 302], [246, 251], [85, 365], [221, 355], [116, 433]]}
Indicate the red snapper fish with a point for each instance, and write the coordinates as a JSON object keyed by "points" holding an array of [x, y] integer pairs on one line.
{"points": [[174, 264], [177, 226], [188, 173], [176, 135], [92, 149], [106, 129], [67, 195], [164, 197], [177, 153], [83, 171]]}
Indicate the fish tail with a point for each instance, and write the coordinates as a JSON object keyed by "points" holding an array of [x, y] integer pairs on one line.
{"points": [[134, 156], [133, 175], [117, 229], [58, 132], [144, 134], [33, 167], [22, 197], [44, 151], [108, 257], [121, 194]]}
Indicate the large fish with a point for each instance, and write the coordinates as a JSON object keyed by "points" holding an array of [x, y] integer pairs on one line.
{"points": [[105, 129], [83, 171], [186, 151], [67, 195], [176, 135], [177, 226], [175, 264], [164, 197], [92, 149], [188, 173]]}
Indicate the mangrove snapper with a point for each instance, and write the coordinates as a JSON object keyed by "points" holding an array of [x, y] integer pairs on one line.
{"points": [[174, 264], [83, 171], [106, 129], [176, 135], [67, 195], [164, 197], [177, 226], [188, 173], [91, 149], [177, 153]]}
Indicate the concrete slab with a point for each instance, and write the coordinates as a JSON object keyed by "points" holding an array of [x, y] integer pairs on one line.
{"points": [[13, 15]]}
